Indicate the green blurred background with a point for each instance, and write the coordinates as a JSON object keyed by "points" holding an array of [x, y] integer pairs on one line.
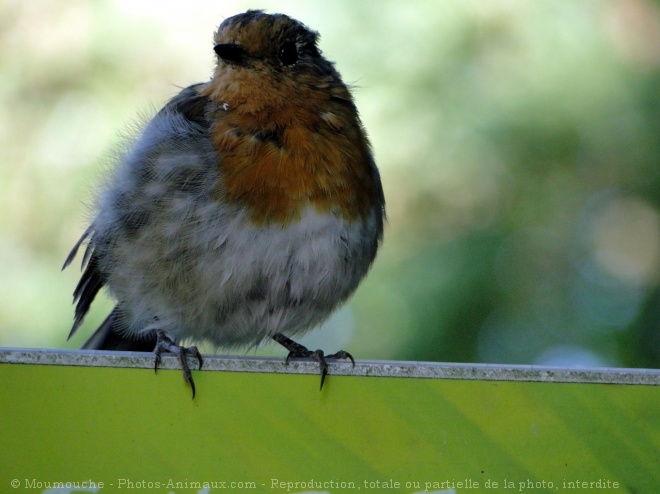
{"points": [[518, 141]]}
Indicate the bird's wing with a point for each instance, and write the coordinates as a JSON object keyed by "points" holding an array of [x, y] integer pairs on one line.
{"points": [[192, 108]]}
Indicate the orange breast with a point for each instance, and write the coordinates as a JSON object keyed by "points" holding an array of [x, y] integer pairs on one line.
{"points": [[318, 160]]}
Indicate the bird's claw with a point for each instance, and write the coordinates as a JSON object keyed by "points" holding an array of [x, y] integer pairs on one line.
{"points": [[165, 344], [297, 351]]}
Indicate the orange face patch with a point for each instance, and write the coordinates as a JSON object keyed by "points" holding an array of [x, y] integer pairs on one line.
{"points": [[288, 137]]}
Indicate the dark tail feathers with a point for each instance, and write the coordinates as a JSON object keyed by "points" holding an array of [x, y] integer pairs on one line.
{"points": [[107, 337]]}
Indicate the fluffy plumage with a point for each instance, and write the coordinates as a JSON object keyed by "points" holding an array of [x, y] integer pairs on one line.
{"points": [[249, 206]]}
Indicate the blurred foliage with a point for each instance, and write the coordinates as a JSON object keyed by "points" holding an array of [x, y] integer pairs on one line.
{"points": [[519, 144]]}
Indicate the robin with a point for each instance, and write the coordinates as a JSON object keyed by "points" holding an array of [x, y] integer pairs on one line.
{"points": [[249, 208]]}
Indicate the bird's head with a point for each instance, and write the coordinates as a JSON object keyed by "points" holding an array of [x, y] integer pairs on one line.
{"points": [[267, 62]]}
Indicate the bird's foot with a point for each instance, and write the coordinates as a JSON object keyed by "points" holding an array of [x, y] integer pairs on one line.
{"points": [[165, 344], [296, 350]]}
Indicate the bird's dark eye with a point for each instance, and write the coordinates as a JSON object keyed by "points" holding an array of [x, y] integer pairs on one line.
{"points": [[288, 53]]}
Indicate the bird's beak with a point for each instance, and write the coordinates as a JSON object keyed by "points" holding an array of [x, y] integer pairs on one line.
{"points": [[231, 53]]}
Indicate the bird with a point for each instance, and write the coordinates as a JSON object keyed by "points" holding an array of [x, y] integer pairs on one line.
{"points": [[248, 209]]}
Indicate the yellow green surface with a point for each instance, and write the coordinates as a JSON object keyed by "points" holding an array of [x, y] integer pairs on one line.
{"points": [[128, 427]]}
